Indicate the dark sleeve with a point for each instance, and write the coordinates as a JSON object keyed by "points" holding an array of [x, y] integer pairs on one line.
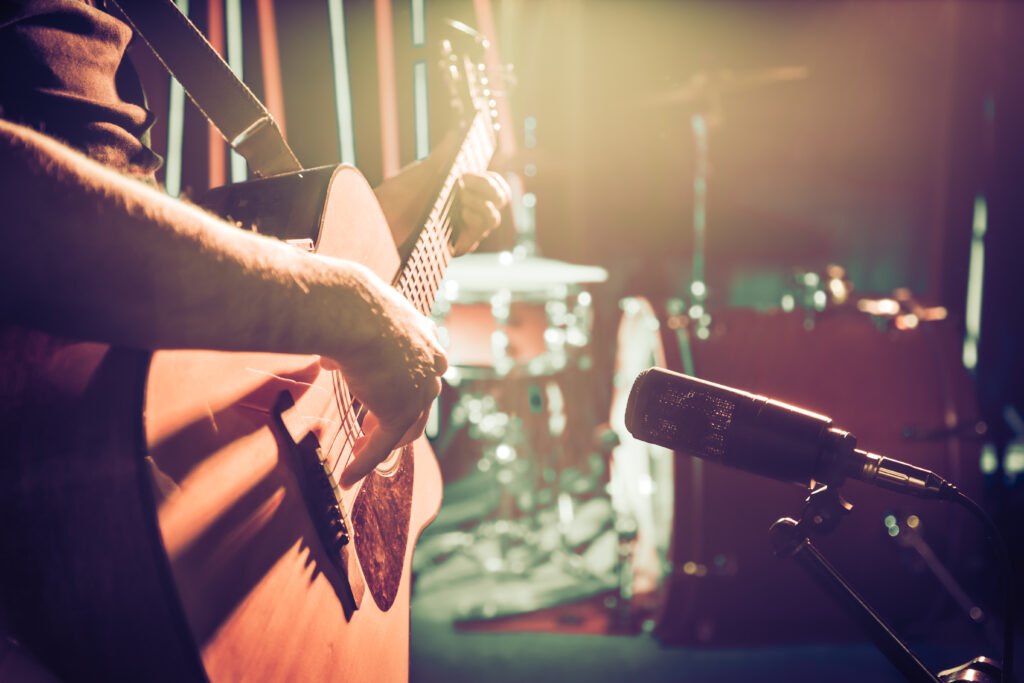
{"points": [[63, 72]]}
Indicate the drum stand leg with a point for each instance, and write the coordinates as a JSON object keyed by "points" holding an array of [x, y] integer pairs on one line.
{"points": [[822, 514], [506, 541], [546, 540]]}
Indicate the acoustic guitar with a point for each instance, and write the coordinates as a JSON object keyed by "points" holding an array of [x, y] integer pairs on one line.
{"points": [[176, 516]]}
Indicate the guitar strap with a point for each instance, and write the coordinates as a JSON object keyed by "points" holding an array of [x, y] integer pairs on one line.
{"points": [[220, 95]]}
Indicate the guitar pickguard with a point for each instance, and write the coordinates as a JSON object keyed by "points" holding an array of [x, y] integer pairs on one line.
{"points": [[380, 516]]}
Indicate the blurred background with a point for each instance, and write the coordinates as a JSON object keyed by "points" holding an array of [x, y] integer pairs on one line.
{"points": [[820, 202]]}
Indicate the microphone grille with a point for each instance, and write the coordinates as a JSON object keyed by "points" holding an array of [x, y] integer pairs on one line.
{"points": [[679, 412]]}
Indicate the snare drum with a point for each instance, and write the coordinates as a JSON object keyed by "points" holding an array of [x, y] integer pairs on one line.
{"points": [[904, 394], [502, 315]]}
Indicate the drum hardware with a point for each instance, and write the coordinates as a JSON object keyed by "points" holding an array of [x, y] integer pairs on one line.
{"points": [[548, 539], [698, 285], [621, 605], [867, 366], [822, 513], [702, 95], [814, 292], [906, 531], [967, 430], [502, 442], [533, 497], [514, 316], [517, 331], [901, 311], [557, 533], [502, 566]]}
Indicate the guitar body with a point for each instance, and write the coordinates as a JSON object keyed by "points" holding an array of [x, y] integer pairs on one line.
{"points": [[176, 516], [259, 589], [203, 559], [84, 581]]}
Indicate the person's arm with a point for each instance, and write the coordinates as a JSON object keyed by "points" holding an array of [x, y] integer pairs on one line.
{"points": [[90, 254]]}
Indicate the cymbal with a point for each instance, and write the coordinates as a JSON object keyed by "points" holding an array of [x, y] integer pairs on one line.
{"points": [[705, 85], [479, 274]]}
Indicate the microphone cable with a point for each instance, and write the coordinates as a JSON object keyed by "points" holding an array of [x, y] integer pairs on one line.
{"points": [[1005, 569]]}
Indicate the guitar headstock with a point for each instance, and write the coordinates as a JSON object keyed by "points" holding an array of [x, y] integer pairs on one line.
{"points": [[474, 90]]}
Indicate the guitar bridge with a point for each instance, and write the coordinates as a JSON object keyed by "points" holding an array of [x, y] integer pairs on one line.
{"points": [[335, 533], [323, 501]]}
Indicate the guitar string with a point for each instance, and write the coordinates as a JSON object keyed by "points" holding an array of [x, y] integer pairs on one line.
{"points": [[433, 244], [425, 276], [349, 429]]}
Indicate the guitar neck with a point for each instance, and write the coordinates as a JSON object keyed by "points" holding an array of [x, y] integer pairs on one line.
{"points": [[420, 274]]}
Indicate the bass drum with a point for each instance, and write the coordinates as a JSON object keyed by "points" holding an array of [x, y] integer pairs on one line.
{"points": [[640, 474], [904, 394]]}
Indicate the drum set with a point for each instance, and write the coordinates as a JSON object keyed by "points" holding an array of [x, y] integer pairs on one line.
{"points": [[888, 370], [549, 499]]}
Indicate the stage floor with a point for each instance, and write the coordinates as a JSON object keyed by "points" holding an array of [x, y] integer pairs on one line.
{"points": [[440, 653]]}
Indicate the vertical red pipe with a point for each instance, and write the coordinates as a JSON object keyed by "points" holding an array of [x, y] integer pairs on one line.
{"points": [[217, 146], [391, 157], [273, 93]]}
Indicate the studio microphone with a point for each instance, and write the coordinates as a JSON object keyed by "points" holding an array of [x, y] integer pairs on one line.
{"points": [[763, 436]]}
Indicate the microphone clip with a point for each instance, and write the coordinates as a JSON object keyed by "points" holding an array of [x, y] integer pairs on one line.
{"points": [[823, 510]]}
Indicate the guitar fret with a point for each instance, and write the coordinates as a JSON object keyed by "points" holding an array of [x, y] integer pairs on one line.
{"points": [[423, 271]]}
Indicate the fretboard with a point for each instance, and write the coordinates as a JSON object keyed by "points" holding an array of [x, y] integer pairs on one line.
{"points": [[420, 275]]}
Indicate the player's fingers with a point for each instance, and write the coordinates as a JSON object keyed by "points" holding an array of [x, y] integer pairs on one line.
{"points": [[369, 451]]}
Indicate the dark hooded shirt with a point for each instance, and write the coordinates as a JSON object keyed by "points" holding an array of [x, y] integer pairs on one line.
{"points": [[63, 72]]}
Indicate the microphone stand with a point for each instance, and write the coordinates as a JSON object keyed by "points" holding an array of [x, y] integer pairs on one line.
{"points": [[822, 513]]}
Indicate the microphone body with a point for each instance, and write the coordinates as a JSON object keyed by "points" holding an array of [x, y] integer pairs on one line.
{"points": [[761, 435]]}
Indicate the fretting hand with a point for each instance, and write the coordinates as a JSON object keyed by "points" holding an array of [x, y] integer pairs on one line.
{"points": [[481, 198]]}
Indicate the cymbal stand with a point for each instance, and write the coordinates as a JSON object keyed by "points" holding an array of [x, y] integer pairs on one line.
{"points": [[822, 513], [509, 534], [698, 284]]}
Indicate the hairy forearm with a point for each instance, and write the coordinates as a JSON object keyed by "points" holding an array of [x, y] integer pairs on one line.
{"points": [[90, 254]]}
